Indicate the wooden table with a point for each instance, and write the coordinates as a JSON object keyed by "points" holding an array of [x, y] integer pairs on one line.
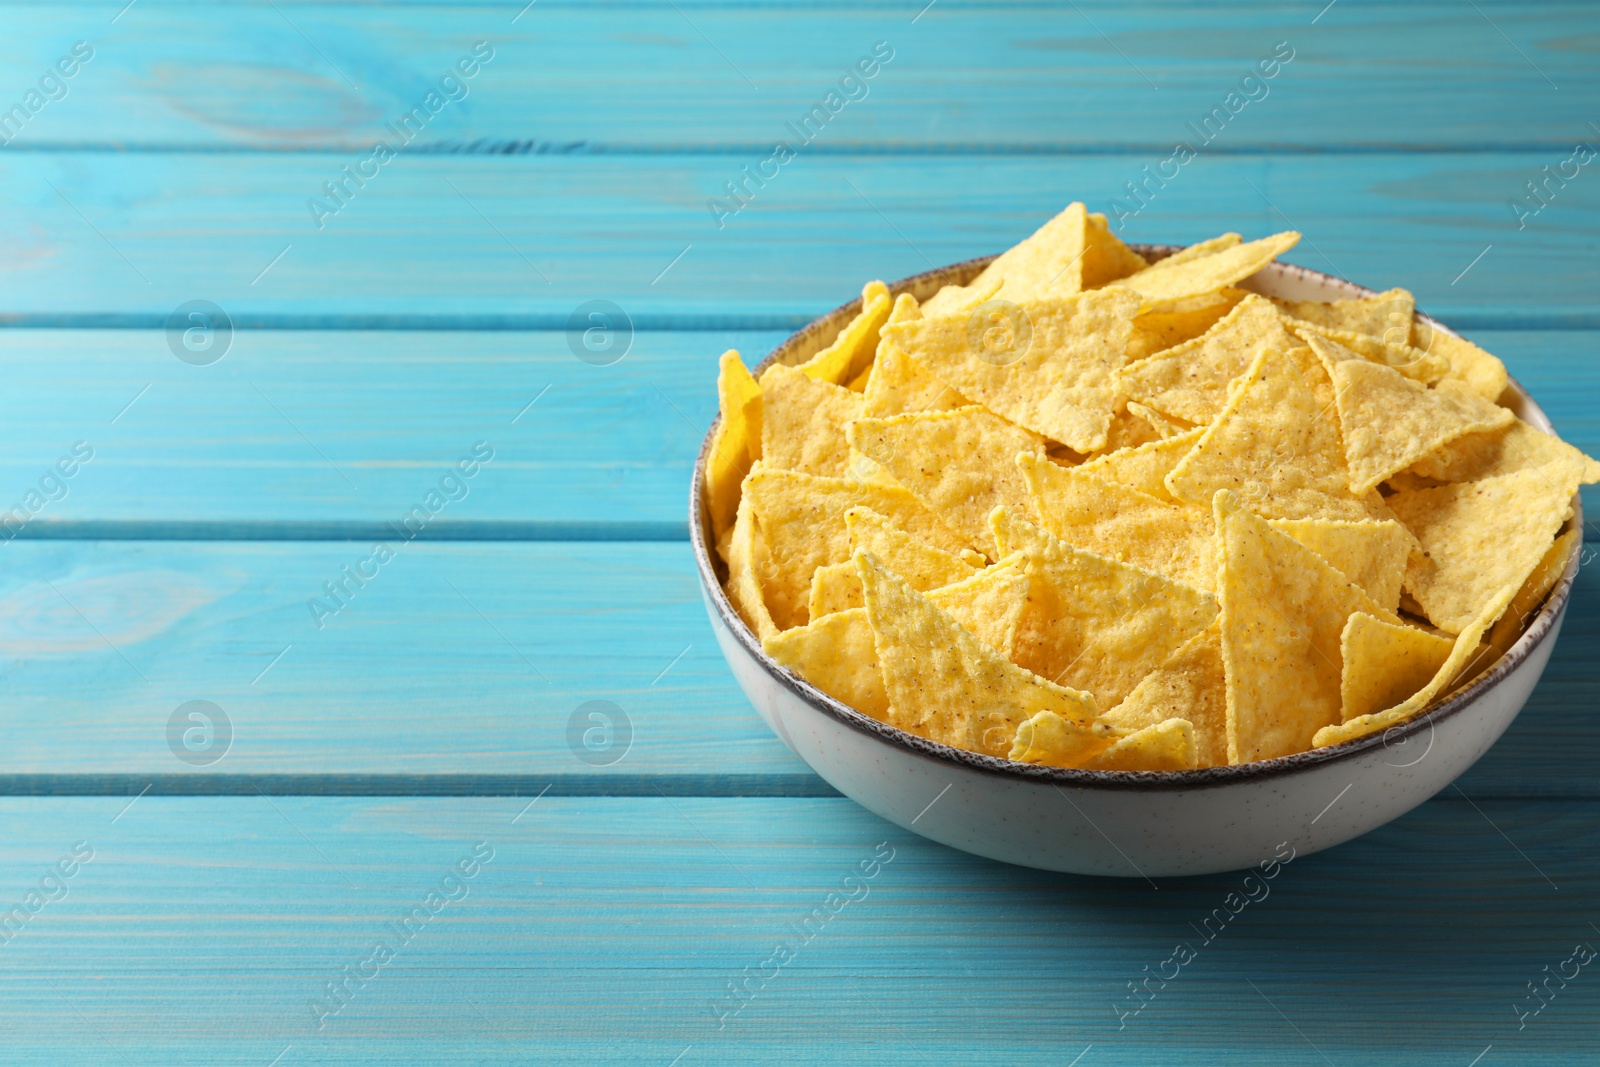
{"points": [[232, 876]]}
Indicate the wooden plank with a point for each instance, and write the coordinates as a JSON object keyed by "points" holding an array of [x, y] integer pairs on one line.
{"points": [[609, 931], [334, 434], [125, 239], [963, 76], [457, 670]]}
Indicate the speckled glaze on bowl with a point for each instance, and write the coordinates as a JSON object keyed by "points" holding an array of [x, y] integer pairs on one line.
{"points": [[1126, 823]]}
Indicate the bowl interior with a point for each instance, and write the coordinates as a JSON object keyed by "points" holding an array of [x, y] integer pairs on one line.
{"points": [[1282, 280]]}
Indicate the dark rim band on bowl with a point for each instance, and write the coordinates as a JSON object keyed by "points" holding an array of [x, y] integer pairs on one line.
{"points": [[960, 273]]}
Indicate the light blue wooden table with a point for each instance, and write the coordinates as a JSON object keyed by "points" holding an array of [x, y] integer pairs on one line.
{"points": [[399, 772]]}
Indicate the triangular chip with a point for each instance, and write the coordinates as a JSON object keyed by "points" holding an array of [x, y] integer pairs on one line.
{"points": [[803, 421], [851, 352], [1127, 430], [959, 463], [735, 445], [1105, 257], [1468, 364], [1046, 365], [1171, 325], [1114, 521], [1190, 382], [835, 653], [1283, 610], [1165, 426], [748, 565], [1508, 630], [1274, 446], [1389, 421], [1146, 467], [1371, 553], [1519, 446], [1190, 684], [990, 604], [900, 385], [1167, 281], [1385, 663], [1201, 249], [802, 521], [1464, 650], [836, 586], [1412, 362], [1386, 316], [1166, 746], [1096, 624], [1481, 536], [1053, 741], [945, 684]]}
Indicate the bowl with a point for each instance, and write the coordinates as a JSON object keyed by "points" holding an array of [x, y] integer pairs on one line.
{"points": [[1139, 824]]}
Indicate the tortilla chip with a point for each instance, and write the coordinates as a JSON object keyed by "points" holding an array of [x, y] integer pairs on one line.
{"points": [[1096, 624], [1200, 250], [748, 563], [1481, 536], [1283, 610], [1481, 372], [1048, 739], [851, 352], [1385, 663], [863, 468], [735, 445], [990, 604], [1105, 257], [1465, 648], [1157, 331], [1386, 316], [1191, 381], [1168, 281], [1166, 746], [803, 421], [1519, 446], [836, 588], [1190, 684], [1165, 426], [899, 383], [802, 520], [1274, 447], [959, 463], [1508, 629], [1371, 553], [1146, 467], [1116, 522], [1389, 421], [1127, 430], [835, 653], [1414, 363], [945, 684], [1045, 365]]}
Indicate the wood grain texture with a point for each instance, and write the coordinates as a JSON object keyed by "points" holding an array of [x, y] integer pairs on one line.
{"points": [[124, 239], [711, 76], [608, 931], [458, 668]]}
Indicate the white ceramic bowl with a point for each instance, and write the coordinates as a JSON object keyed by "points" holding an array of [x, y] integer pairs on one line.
{"points": [[1127, 823]]}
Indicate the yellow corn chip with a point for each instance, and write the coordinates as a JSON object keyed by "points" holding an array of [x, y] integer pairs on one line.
{"points": [[1385, 663], [1465, 648], [1200, 250], [1386, 316], [1190, 382], [1508, 630], [1046, 365], [1481, 372], [735, 445], [1191, 685], [748, 565], [836, 587], [1145, 467], [1414, 363], [959, 463], [945, 684], [900, 385], [1389, 421], [1114, 521], [836, 654], [863, 468], [1127, 430], [802, 520], [958, 299], [1167, 281], [1283, 610], [1371, 553], [1096, 624], [990, 604], [1048, 739], [1164, 425], [1273, 445], [803, 421], [851, 352], [1480, 536], [1105, 257], [1159, 330], [1166, 746], [1519, 446]]}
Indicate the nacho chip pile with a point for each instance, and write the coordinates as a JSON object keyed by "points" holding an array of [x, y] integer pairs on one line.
{"points": [[1090, 511]]}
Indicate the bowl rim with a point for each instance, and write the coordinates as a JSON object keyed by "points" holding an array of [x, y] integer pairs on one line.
{"points": [[1536, 634]]}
